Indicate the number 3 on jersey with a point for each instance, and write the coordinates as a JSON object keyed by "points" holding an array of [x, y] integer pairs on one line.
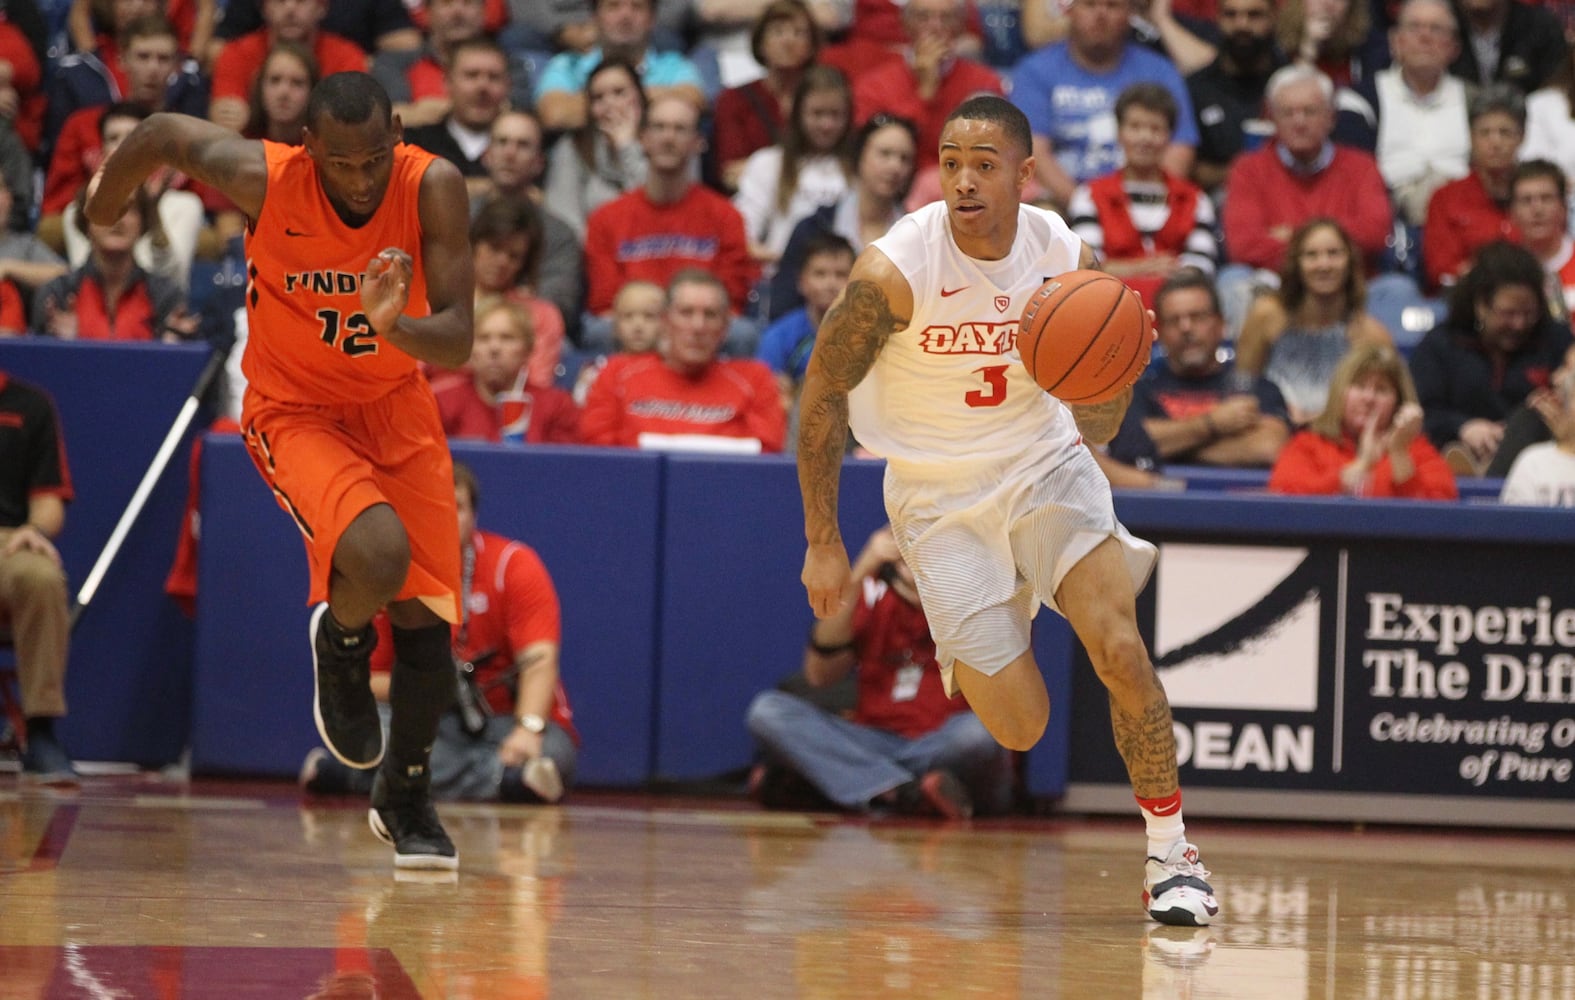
{"points": [[354, 335], [994, 391]]}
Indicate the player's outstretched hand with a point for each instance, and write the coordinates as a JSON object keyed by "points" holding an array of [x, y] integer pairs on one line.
{"points": [[825, 575], [386, 290]]}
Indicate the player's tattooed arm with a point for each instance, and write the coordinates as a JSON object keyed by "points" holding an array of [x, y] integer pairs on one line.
{"points": [[1088, 259], [216, 156], [874, 305], [1099, 422]]}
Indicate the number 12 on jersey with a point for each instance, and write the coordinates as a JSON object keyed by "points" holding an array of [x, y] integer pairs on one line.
{"points": [[354, 335]]}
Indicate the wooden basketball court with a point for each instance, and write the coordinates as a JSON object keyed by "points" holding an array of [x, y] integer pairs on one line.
{"points": [[137, 887]]}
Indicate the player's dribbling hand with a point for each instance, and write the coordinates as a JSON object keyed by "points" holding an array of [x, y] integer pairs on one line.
{"points": [[386, 290], [825, 576]]}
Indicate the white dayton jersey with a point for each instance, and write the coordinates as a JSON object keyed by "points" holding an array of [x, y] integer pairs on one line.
{"points": [[952, 385]]}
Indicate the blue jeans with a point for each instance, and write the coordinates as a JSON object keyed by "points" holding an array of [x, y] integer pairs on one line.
{"points": [[851, 764], [467, 769]]}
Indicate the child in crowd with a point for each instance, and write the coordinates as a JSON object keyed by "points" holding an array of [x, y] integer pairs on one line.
{"points": [[637, 326], [786, 345]]}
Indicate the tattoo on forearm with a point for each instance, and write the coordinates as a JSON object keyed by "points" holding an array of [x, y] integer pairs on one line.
{"points": [[823, 432], [849, 341], [1147, 744], [1098, 423]]}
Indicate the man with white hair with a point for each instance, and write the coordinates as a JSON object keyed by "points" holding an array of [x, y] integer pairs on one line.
{"points": [[1302, 175], [1424, 139]]}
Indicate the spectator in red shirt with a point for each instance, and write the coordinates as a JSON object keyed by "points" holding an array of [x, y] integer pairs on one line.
{"points": [[670, 224], [1368, 442], [1539, 209], [687, 393], [785, 41], [933, 79], [512, 735], [1300, 175], [1473, 211], [907, 747], [636, 329], [1144, 222], [417, 80], [491, 399], [109, 297], [92, 23], [241, 60], [22, 96]]}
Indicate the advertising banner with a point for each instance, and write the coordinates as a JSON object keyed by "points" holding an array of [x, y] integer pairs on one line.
{"points": [[1376, 667]]}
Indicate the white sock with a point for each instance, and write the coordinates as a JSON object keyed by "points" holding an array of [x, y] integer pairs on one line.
{"points": [[1165, 827]]}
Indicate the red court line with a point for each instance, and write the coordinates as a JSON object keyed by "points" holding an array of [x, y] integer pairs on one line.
{"points": [[53, 843]]}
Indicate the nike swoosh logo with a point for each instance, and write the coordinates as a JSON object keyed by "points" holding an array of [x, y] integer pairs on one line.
{"points": [[292, 232], [948, 293], [1166, 810]]}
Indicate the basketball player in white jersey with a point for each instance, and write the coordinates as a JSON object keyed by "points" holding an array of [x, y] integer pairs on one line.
{"points": [[994, 499]]}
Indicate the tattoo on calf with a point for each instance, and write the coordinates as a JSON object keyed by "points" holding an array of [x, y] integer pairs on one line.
{"points": [[1147, 744]]}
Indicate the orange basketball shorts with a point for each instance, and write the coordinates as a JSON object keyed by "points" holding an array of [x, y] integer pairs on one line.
{"points": [[326, 464]]}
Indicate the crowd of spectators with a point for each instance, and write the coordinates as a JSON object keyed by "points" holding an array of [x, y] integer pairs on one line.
{"points": [[1331, 168]]}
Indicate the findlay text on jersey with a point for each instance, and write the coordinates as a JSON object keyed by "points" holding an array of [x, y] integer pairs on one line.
{"points": [[324, 282]]}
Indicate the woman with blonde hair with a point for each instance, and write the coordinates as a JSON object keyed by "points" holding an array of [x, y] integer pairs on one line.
{"points": [[1368, 441], [1296, 336]]}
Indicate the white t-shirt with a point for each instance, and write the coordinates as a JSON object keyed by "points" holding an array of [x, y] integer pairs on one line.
{"points": [[820, 182], [1421, 135], [1542, 475], [951, 389]]}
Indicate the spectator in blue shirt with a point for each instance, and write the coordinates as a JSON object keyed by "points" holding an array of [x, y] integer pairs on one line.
{"points": [[786, 345], [1068, 91], [624, 28]]}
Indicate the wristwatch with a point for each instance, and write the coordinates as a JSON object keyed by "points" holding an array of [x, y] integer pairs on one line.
{"points": [[533, 723]]}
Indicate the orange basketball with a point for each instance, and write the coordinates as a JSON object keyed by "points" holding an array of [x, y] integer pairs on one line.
{"points": [[1084, 337]]}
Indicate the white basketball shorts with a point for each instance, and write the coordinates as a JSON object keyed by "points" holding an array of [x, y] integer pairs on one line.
{"points": [[988, 546]]}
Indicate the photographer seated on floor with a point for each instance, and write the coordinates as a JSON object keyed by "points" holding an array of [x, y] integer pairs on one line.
{"points": [[905, 747]]}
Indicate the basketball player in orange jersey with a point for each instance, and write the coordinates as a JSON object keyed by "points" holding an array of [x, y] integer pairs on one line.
{"points": [[994, 500], [360, 266]]}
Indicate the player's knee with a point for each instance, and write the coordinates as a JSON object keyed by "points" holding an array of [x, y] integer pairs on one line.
{"points": [[1023, 731], [1122, 662], [384, 570], [1020, 722], [374, 553]]}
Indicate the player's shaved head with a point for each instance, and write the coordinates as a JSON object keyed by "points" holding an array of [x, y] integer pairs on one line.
{"points": [[348, 98], [998, 111]]}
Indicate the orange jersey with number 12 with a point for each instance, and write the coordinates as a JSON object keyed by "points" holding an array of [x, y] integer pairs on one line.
{"points": [[308, 340]]}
